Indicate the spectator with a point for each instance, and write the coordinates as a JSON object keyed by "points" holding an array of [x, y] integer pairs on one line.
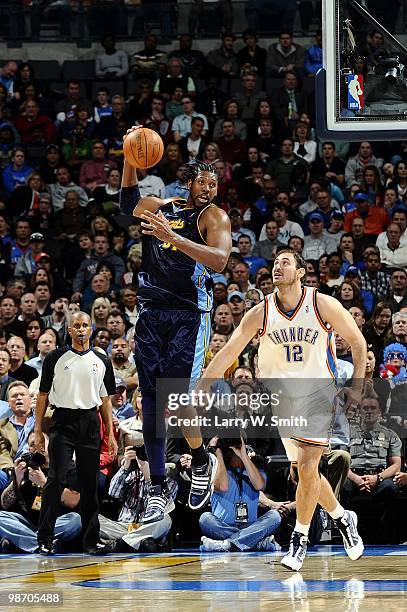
{"points": [[175, 77], [325, 207], [60, 188], [101, 339], [267, 248], [237, 477], [252, 55], [116, 324], [22, 419], [5, 382], [285, 56], [94, 172], [287, 228], [19, 370], [49, 168], [397, 295], [317, 243], [20, 515], [27, 263], [146, 62], [42, 294], [375, 459], [335, 228], [110, 124], [313, 56], [194, 61], [103, 106], [224, 59], [236, 221], [10, 323], [241, 275], [399, 327], [17, 172], [375, 218], [399, 216], [88, 267], [333, 278], [71, 219], [400, 179], [223, 320], [150, 185], [124, 370], [248, 96], [231, 111], [231, 147], [355, 165], [46, 344], [237, 303], [281, 168], [182, 123], [393, 255], [7, 76], [329, 166], [31, 118], [374, 279], [304, 146], [129, 299], [289, 102], [57, 320], [192, 146], [65, 108], [113, 63], [377, 328]]}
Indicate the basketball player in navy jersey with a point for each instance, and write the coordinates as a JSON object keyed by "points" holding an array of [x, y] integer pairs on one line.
{"points": [[182, 242], [295, 325]]}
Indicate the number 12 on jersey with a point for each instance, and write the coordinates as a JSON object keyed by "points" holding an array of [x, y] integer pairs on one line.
{"points": [[293, 352]]}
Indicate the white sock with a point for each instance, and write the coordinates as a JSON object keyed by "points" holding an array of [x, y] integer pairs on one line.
{"points": [[338, 512], [304, 529]]}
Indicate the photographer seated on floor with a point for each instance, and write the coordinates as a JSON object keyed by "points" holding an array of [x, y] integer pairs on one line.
{"points": [[130, 485], [21, 501], [233, 524]]}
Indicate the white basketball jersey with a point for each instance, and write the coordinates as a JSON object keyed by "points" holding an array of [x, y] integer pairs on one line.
{"points": [[296, 345]]}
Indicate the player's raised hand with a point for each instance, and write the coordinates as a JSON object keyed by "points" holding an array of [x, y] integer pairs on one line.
{"points": [[157, 225], [132, 129]]}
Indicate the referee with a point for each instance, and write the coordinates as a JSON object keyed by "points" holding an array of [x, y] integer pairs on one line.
{"points": [[75, 381]]}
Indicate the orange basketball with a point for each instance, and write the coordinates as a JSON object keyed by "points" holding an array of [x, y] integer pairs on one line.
{"points": [[143, 148]]}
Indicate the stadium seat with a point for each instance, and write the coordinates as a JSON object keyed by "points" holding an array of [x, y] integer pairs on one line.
{"points": [[78, 69], [46, 70]]}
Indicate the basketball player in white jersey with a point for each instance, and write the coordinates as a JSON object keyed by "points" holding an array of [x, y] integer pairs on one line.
{"points": [[295, 325]]}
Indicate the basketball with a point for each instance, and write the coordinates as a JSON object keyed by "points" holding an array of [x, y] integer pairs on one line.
{"points": [[143, 148]]}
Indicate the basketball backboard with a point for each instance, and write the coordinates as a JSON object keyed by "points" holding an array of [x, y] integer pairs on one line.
{"points": [[361, 92]]}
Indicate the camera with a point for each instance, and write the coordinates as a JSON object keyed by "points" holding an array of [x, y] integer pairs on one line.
{"points": [[390, 67], [33, 460]]}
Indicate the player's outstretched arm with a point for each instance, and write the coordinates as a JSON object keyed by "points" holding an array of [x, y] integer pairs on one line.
{"points": [[341, 320], [248, 327]]}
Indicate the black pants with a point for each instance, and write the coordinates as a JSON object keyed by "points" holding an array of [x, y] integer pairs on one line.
{"points": [[79, 431]]}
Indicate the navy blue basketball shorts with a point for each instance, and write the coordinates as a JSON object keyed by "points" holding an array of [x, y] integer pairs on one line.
{"points": [[170, 344]]}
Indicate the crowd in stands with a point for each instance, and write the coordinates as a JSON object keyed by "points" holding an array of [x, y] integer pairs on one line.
{"points": [[65, 246]]}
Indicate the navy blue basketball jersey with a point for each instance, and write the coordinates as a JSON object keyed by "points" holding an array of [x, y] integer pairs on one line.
{"points": [[169, 278]]}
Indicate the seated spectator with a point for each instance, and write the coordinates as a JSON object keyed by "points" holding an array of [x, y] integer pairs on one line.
{"points": [[107, 194], [374, 279], [371, 185], [65, 108], [399, 328], [223, 320], [178, 188], [122, 407], [156, 119], [231, 147], [248, 96], [5, 381], [234, 525], [287, 228], [168, 167], [304, 146], [182, 123], [313, 56], [43, 296], [22, 417], [18, 369], [49, 168], [26, 199], [71, 220], [20, 501], [122, 367], [130, 478], [400, 179], [325, 207], [31, 118], [108, 126], [63, 184], [224, 59], [146, 62], [375, 218], [103, 106], [150, 184], [335, 228], [355, 165], [375, 458], [27, 263], [266, 141], [329, 166], [175, 77], [94, 171], [113, 63], [46, 344], [333, 278], [285, 56], [8, 74], [252, 54], [231, 111], [192, 146], [393, 255], [397, 295], [399, 216], [58, 319], [194, 61], [377, 328], [17, 172], [266, 248], [280, 169], [317, 243], [88, 267], [289, 103]]}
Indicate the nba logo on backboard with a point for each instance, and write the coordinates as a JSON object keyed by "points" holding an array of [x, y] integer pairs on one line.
{"points": [[355, 92]]}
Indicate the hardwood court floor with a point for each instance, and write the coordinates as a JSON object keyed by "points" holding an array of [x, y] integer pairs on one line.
{"points": [[211, 581]]}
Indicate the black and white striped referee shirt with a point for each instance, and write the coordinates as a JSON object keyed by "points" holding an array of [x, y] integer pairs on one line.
{"points": [[77, 380]]}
